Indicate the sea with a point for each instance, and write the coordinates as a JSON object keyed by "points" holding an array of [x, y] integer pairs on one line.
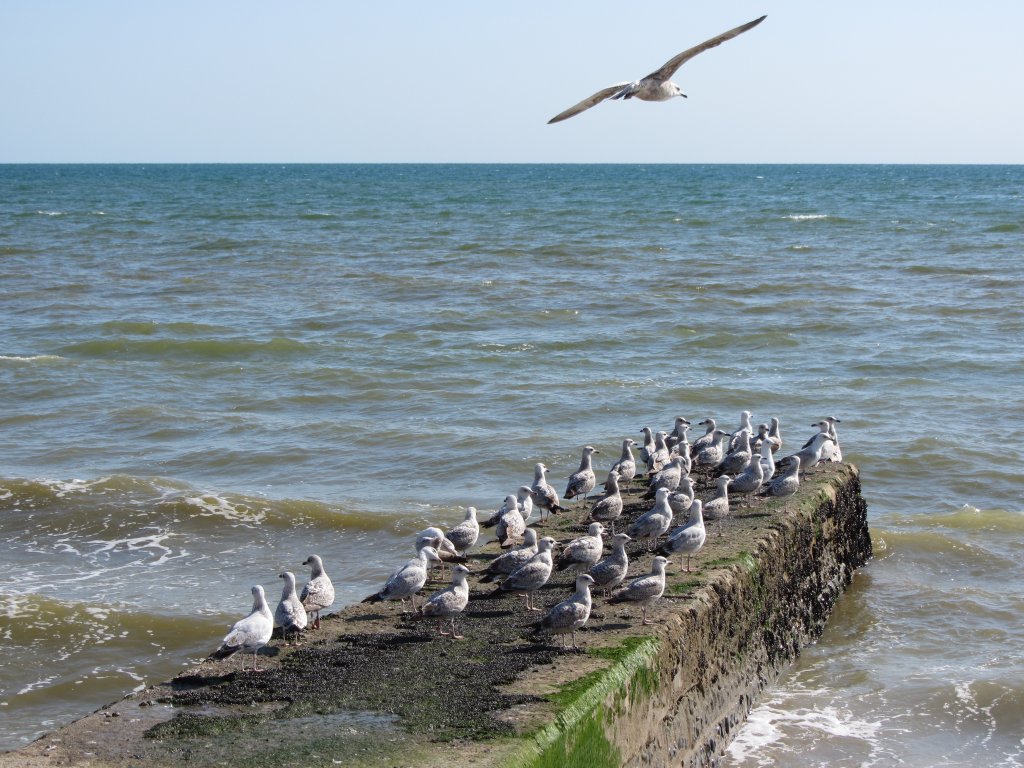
{"points": [[210, 372]]}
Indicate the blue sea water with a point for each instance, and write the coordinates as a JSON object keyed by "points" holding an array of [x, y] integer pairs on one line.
{"points": [[208, 371]]}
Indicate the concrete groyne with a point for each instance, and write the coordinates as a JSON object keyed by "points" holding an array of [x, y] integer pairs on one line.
{"points": [[375, 688]]}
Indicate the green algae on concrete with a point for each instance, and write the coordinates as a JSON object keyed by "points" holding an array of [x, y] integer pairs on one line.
{"points": [[576, 736]]}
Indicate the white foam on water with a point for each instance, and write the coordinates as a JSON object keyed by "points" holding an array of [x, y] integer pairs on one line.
{"points": [[496, 347], [29, 358], [806, 216], [37, 684], [15, 606], [212, 505], [62, 488], [771, 722]]}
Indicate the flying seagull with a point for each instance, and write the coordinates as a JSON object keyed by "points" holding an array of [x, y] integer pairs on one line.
{"points": [[656, 86]]}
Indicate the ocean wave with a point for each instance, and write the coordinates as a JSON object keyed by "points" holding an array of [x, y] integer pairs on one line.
{"points": [[968, 518], [192, 349], [750, 340], [126, 502], [224, 244], [1007, 227], [506, 349], [149, 328], [29, 358], [111, 640]]}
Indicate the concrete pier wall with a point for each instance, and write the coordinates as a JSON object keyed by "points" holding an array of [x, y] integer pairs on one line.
{"points": [[375, 688]]}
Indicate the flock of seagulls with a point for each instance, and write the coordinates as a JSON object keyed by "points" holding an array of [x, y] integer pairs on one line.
{"points": [[740, 463]]}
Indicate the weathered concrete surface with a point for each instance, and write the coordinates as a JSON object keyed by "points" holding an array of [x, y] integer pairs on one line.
{"points": [[375, 688]]}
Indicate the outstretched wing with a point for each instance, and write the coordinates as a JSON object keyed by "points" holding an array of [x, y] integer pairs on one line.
{"points": [[587, 103], [669, 68]]}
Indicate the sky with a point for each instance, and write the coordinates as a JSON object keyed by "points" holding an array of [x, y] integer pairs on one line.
{"points": [[158, 81]]}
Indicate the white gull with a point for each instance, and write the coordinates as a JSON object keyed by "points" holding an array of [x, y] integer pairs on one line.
{"points": [[407, 580], [608, 508], [655, 522], [251, 633], [625, 467], [687, 539], [644, 589], [569, 615], [544, 494], [655, 86], [318, 593], [611, 570], [531, 576], [505, 563], [583, 552], [465, 534], [583, 480], [290, 615], [449, 602]]}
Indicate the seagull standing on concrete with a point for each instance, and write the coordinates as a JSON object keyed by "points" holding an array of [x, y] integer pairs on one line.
{"points": [[687, 539], [449, 602], [705, 440], [656, 86], [625, 467], [583, 480], [407, 580], [318, 593], [584, 552], [717, 507], [505, 563], [829, 451], [251, 633], [290, 615], [644, 589], [465, 534], [655, 522], [711, 454], [810, 454], [569, 615], [788, 482], [531, 576], [608, 508], [544, 495], [611, 570]]}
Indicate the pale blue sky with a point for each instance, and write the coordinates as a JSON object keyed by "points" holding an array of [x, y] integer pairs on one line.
{"points": [[191, 81]]}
